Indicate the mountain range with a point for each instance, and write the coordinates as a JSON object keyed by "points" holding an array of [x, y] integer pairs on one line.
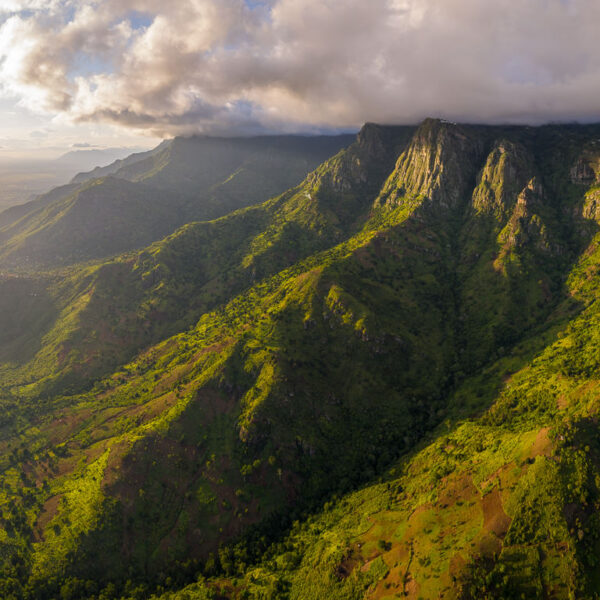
{"points": [[83, 159], [286, 367], [138, 200]]}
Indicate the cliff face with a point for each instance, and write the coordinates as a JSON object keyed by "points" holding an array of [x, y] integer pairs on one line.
{"points": [[438, 166], [362, 168], [586, 171], [505, 173]]}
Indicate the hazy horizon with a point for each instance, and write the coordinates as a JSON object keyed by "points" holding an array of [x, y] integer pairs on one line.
{"points": [[23, 176]]}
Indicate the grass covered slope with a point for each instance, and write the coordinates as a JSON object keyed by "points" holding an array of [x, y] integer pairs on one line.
{"points": [[407, 337], [143, 198]]}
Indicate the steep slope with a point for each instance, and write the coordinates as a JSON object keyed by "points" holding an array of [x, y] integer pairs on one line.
{"points": [[104, 217], [145, 197], [420, 310], [500, 501], [104, 313], [501, 505]]}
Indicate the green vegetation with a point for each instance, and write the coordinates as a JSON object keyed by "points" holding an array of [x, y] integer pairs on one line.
{"points": [[382, 383], [139, 200]]}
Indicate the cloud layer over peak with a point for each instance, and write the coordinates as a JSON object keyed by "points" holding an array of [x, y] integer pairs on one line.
{"points": [[235, 66]]}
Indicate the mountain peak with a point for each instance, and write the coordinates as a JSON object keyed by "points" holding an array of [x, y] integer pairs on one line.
{"points": [[437, 165], [379, 140]]}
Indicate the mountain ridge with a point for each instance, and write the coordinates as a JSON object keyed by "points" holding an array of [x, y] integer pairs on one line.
{"points": [[193, 179]]}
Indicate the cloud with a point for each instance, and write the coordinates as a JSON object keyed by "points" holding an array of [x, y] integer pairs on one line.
{"points": [[232, 66], [11, 6]]}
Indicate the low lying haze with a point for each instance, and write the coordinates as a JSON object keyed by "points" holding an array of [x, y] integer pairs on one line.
{"points": [[111, 70]]}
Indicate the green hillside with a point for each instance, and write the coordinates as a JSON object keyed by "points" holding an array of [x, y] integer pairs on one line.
{"points": [[381, 383], [146, 196]]}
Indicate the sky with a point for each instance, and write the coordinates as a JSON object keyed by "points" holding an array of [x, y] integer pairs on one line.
{"points": [[131, 72]]}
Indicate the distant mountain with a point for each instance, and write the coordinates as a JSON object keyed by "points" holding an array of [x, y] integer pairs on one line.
{"points": [[382, 382], [146, 196], [117, 165], [85, 159]]}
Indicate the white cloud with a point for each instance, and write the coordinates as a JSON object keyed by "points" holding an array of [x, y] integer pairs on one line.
{"points": [[10, 6], [219, 66]]}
